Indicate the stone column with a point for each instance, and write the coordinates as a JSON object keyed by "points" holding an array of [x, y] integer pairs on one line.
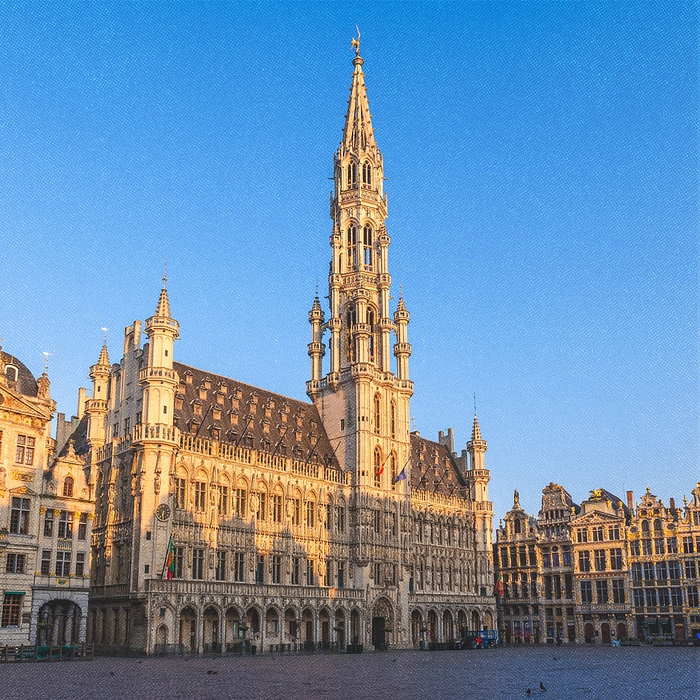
{"points": [[68, 629], [57, 613], [82, 633]]}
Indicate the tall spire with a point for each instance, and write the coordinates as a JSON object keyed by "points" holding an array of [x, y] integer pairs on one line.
{"points": [[357, 132]]}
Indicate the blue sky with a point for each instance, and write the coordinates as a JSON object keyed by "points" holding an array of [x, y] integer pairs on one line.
{"points": [[542, 173]]}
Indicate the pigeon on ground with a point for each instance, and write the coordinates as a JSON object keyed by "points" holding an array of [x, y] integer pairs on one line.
{"points": [[528, 692], [542, 688]]}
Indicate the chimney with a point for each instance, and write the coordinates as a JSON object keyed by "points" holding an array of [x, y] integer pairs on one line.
{"points": [[630, 501]]}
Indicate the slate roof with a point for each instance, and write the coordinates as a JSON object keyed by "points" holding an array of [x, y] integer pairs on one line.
{"points": [[434, 469], [26, 383], [216, 407]]}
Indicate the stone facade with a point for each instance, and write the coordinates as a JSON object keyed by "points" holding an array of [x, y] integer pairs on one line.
{"points": [[599, 571], [227, 514], [46, 506]]}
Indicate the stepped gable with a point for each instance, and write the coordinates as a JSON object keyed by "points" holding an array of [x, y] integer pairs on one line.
{"points": [[26, 383], [79, 438], [433, 468], [216, 407]]}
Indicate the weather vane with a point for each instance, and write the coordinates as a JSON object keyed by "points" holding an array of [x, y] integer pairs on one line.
{"points": [[355, 43], [165, 273], [46, 355], [104, 334]]}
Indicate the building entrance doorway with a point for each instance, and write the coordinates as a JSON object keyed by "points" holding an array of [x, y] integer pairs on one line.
{"points": [[378, 634]]}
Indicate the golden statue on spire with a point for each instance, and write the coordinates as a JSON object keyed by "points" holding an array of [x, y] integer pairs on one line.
{"points": [[355, 43]]}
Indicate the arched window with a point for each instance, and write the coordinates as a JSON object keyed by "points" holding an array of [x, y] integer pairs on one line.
{"points": [[352, 248], [351, 316], [658, 528], [68, 486], [367, 246], [645, 526], [392, 420], [352, 174], [377, 413], [11, 373], [378, 467], [370, 323], [366, 174]]}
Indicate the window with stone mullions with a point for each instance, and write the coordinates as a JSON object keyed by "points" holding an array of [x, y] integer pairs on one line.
{"points": [[65, 525], [15, 563], [220, 571], [198, 563], [19, 516], [24, 453]]}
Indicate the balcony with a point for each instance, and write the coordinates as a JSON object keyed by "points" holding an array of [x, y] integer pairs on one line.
{"points": [[169, 375], [160, 432]]}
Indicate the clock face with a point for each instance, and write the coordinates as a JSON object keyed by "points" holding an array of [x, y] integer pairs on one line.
{"points": [[163, 511]]}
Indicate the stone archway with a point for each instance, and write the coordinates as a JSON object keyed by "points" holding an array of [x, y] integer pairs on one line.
{"points": [[476, 621], [58, 623], [461, 624], [291, 626], [432, 627], [324, 626], [211, 631], [447, 627], [382, 623], [488, 620], [355, 627], [416, 628], [162, 636], [307, 629], [339, 627], [232, 633], [188, 630]]}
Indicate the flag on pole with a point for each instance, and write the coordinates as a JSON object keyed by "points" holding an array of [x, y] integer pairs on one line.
{"points": [[402, 474], [499, 585], [170, 560]]}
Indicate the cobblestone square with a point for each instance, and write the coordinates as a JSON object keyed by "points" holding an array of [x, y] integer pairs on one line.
{"points": [[577, 672]]}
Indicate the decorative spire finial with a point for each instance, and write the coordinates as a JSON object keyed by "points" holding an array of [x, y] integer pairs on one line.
{"points": [[46, 355], [165, 274], [104, 330], [355, 43], [474, 404]]}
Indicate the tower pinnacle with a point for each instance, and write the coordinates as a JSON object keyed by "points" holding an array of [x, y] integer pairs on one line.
{"points": [[358, 133]]}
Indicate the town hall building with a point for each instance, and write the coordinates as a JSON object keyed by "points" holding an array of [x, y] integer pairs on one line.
{"points": [[227, 515]]}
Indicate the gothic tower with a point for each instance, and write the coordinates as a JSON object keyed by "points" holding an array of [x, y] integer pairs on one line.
{"points": [[363, 403]]}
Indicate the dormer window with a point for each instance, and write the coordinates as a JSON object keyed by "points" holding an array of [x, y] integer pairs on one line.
{"points": [[197, 408], [207, 383], [68, 484], [178, 403], [11, 373], [220, 398], [202, 393], [223, 387], [188, 377], [216, 413], [366, 174]]}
